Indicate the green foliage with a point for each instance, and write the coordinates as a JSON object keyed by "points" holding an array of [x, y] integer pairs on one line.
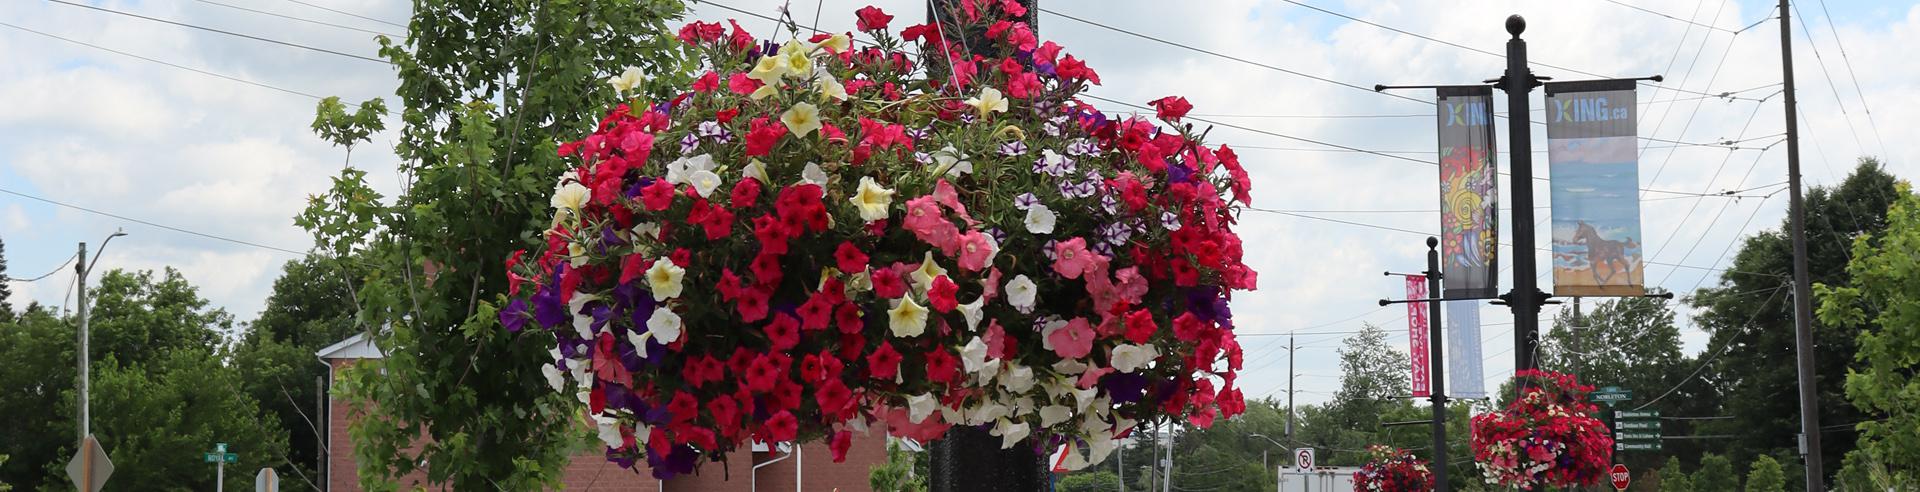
{"points": [[1632, 343], [332, 121], [1715, 475], [1884, 296], [1744, 312], [6, 289], [898, 473], [486, 88], [1766, 476], [163, 390], [1099, 481], [311, 307], [1673, 478], [1861, 472]]}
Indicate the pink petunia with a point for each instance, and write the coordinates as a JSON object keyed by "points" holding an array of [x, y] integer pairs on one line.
{"points": [[1071, 257], [1074, 340], [976, 250]]}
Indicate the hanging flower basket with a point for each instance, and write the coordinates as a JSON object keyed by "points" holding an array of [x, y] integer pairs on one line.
{"points": [[1546, 438], [819, 238], [1391, 469]]}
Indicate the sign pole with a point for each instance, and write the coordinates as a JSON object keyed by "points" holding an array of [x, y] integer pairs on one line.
{"points": [[1437, 375]]}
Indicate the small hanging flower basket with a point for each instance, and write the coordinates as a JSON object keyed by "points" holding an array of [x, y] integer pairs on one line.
{"points": [[1391, 469]]}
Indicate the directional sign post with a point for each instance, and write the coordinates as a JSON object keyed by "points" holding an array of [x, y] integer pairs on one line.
{"points": [[1636, 430], [1303, 459], [220, 457], [90, 467]]}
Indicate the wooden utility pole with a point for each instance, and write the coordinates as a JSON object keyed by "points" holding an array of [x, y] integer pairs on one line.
{"points": [[1802, 288]]}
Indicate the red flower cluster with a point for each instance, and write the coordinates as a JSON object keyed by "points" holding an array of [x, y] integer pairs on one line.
{"points": [[1546, 438]]}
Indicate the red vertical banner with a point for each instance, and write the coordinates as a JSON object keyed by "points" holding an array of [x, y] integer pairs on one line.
{"points": [[1417, 334]]}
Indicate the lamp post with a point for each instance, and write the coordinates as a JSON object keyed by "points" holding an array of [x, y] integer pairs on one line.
{"points": [[82, 268], [1263, 454]]}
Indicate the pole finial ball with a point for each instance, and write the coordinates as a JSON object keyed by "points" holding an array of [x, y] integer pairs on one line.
{"points": [[1516, 25], [1432, 241]]}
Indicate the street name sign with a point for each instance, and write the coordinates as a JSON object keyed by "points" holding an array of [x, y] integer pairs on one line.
{"points": [[1652, 425], [1636, 446]]}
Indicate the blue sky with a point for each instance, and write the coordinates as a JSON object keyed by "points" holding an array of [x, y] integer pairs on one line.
{"points": [[183, 149]]}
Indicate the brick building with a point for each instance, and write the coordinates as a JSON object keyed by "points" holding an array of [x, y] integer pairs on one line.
{"points": [[774, 468]]}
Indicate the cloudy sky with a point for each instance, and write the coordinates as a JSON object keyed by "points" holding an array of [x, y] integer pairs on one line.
{"points": [[197, 143]]}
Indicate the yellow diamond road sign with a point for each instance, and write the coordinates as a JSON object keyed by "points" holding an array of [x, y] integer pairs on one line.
{"points": [[90, 467]]}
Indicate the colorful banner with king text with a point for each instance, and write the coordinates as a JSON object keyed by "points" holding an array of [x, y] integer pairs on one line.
{"points": [[1595, 174], [1417, 334], [1469, 195]]}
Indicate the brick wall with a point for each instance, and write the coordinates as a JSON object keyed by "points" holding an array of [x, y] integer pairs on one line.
{"points": [[592, 472]]}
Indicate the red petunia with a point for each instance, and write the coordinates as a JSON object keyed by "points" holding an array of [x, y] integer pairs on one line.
{"points": [[1140, 326], [887, 283], [657, 196], [752, 303], [763, 136], [871, 18], [745, 193], [783, 332], [884, 362], [683, 408], [781, 427], [1171, 108], [941, 366], [762, 374], [832, 396], [849, 258], [941, 294], [726, 413], [707, 82], [842, 441], [847, 316], [740, 84], [817, 312]]}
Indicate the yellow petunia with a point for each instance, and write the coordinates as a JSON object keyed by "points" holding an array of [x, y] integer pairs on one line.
{"points": [[907, 319], [802, 119], [872, 199], [989, 101]]}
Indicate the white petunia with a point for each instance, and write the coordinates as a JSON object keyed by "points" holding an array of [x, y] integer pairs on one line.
{"points": [[871, 199], [1040, 219], [627, 80], [639, 340], [570, 195], [907, 319], [971, 311], [1019, 379], [1054, 414], [1021, 292], [663, 279], [664, 325], [813, 175], [974, 355], [609, 431], [582, 323], [1128, 357], [704, 182], [952, 161], [756, 170], [555, 378], [920, 406], [923, 276], [1010, 433]]}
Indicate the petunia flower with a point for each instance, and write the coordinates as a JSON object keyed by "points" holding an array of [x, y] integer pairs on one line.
{"points": [[663, 279], [1071, 258], [1021, 293], [1010, 433], [664, 325], [872, 199], [756, 170], [812, 174], [971, 312], [555, 378], [923, 276], [1128, 358], [907, 319], [608, 430], [769, 70], [989, 101], [920, 406], [1040, 219], [628, 79], [802, 119], [1025, 201], [973, 355], [1072, 340], [977, 250], [1054, 414], [704, 182], [1017, 379], [570, 196]]}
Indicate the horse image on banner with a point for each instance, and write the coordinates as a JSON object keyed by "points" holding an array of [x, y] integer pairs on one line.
{"points": [[1595, 176]]}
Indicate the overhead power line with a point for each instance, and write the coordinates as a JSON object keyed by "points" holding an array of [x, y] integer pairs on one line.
{"points": [[298, 19], [1663, 14], [167, 63], [222, 31], [63, 264], [349, 14], [153, 224]]}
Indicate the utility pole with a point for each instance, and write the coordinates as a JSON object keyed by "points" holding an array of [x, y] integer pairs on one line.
{"points": [[1166, 479], [86, 418], [320, 430], [1525, 297], [1802, 291], [1437, 375], [1290, 376], [1573, 336]]}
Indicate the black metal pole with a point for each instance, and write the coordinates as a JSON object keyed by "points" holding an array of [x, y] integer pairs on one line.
{"points": [[968, 458], [1802, 292], [1526, 296], [1438, 373]]}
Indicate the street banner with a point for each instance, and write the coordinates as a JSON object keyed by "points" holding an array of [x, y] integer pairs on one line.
{"points": [[1594, 170], [1469, 197], [1417, 333], [1465, 378]]}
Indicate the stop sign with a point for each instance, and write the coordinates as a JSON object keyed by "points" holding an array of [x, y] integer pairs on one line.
{"points": [[1620, 476]]}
